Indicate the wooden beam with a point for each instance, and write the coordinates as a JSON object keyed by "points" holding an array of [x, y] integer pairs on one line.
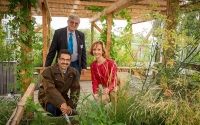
{"points": [[76, 2], [4, 2], [119, 5], [81, 15], [139, 19], [39, 4], [38, 29], [71, 6], [71, 10], [61, 10], [155, 2], [19, 111], [65, 6], [47, 8], [99, 29], [146, 7]]}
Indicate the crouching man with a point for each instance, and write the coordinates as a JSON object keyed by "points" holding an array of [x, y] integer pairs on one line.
{"points": [[57, 81]]}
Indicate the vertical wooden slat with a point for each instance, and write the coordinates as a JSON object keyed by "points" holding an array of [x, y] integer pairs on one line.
{"points": [[12, 78], [4, 79], [7, 77], [44, 25], [109, 28], [49, 33], [92, 32], [1, 78]]}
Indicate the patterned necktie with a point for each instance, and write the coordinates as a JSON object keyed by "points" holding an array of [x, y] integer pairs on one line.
{"points": [[70, 43]]}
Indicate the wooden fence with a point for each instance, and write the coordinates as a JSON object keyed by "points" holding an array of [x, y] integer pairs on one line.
{"points": [[7, 76]]}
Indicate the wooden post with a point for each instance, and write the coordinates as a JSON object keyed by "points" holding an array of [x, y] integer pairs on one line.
{"points": [[45, 30], [92, 32], [109, 28], [49, 33], [171, 4], [26, 49]]}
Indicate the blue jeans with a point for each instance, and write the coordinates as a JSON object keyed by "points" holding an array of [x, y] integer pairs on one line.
{"points": [[75, 65], [53, 110]]}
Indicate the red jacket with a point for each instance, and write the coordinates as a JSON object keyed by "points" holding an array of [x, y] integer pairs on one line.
{"points": [[104, 74]]}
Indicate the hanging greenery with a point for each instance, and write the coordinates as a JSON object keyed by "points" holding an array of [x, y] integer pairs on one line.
{"points": [[22, 42]]}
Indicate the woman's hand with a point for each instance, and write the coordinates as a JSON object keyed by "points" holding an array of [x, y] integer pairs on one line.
{"points": [[105, 91]]}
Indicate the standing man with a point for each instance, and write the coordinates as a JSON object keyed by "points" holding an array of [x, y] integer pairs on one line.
{"points": [[73, 40], [57, 81]]}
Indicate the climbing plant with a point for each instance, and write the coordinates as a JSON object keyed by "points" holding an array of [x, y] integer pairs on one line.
{"points": [[122, 58], [23, 40]]}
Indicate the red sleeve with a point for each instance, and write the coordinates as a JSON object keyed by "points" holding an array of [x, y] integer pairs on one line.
{"points": [[113, 75], [94, 80]]}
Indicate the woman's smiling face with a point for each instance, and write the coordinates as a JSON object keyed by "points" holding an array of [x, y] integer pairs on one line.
{"points": [[97, 51]]}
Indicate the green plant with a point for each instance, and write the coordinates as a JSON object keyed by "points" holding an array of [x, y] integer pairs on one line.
{"points": [[7, 106], [36, 115], [122, 57], [172, 95], [91, 113], [23, 41], [88, 42]]}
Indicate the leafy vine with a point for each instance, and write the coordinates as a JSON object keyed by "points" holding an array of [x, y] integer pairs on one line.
{"points": [[22, 42]]}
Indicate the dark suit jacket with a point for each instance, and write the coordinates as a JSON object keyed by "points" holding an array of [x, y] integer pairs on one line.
{"points": [[60, 42]]}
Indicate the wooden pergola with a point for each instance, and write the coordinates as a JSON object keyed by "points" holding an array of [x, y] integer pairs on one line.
{"points": [[63, 8]]}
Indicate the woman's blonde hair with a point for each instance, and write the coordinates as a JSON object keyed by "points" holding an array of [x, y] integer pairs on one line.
{"points": [[94, 44]]}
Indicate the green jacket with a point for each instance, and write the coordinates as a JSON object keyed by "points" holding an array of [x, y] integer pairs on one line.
{"points": [[55, 87]]}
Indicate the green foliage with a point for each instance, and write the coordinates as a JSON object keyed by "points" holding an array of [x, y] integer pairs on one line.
{"points": [[23, 40], [88, 42], [94, 8], [172, 95], [123, 57], [91, 113], [7, 106], [2, 43], [31, 107], [38, 48], [161, 105], [35, 115]]}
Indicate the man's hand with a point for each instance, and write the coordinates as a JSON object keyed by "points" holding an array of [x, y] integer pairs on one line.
{"points": [[83, 71], [65, 109]]}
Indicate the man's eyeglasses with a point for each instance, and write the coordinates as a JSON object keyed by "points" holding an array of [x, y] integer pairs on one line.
{"points": [[63, 59], [75, 23]]}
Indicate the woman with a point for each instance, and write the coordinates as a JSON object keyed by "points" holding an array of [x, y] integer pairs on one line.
{"points": [[103, 71]]}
